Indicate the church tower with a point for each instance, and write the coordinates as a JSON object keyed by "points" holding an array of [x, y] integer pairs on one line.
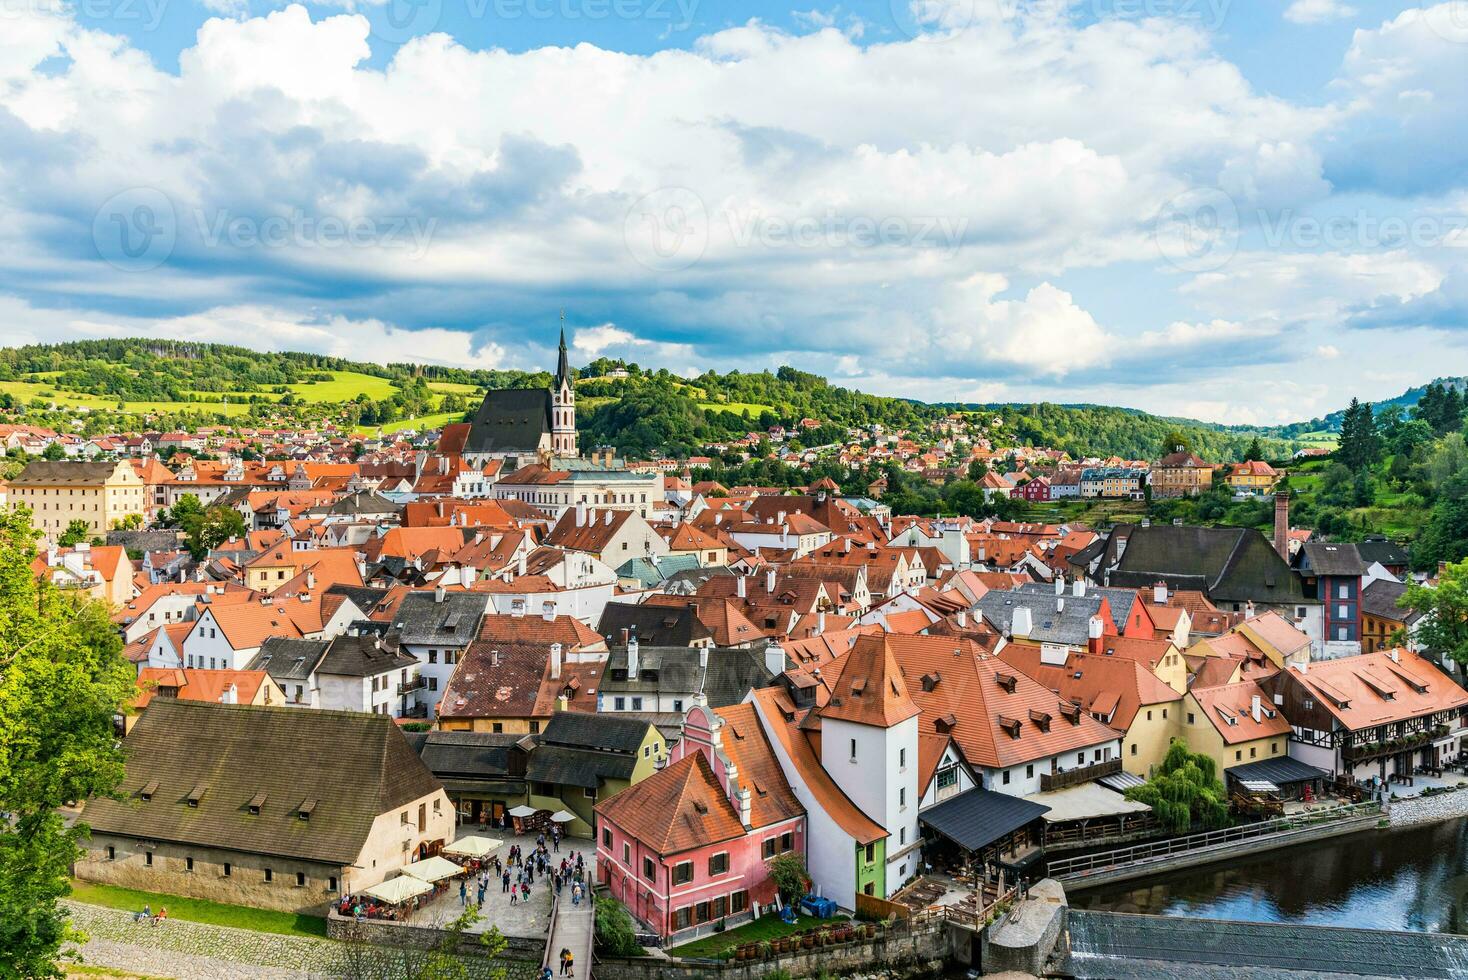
{"points": [[563, 404]]}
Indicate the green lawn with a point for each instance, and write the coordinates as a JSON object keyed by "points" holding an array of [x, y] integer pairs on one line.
{"points": [[720, 945], [198, 910], [422, 422], [452, 388], [343, 387], [747, 409]]}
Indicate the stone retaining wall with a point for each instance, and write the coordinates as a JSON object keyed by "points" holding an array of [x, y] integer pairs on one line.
{"points": [[921, 950], [381, 932], [1428, 809]]}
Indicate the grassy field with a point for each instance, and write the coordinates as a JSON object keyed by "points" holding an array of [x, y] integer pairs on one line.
{"points": [[198, 910], [421, 422], [720, 945], [452, 388], [747, 409], [343, 387]]}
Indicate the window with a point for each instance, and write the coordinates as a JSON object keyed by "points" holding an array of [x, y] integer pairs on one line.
{"points": [[853, 750], [433, 656], [1238, 755], [738, 902], [620, 704], [902, 758], [902, 836], [1030, 771], [331, 883], [1080, 758], [1004, 778], [1253, 752], [1191, 720], [1309, 704], [637, 704], [947, 777], [719, 907], [300, 879], [589, 792], [498, 727], [626, 852], [902, 797], [188, 864], [606, 836], [1345, 591], [767, 849], [1274, 748], [1134, 748], [678, 705], [111, 853], [682, 872], [535, 728], [269, 875], [682, 918], [787, 841], [227, 869], [718, 863], [648, 870], [871, 854], [148, 858], [1149, 714]]}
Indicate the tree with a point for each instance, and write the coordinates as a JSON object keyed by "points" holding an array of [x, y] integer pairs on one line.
{"points": [[218, 525], [1255, 450], [615, 934], [789, 875], [1176, 441], [1360, 444], [62, 681], [1185, 789], [54, 451], [1443, 628], [76, 532]]}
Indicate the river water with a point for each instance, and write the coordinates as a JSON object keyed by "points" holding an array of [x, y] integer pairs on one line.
{"points": [[1414, 879]]}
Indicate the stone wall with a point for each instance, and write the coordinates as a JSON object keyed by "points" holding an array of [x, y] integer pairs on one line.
{"points": [[1428, 809], [920, 950], [244, 885], [380, 932]]}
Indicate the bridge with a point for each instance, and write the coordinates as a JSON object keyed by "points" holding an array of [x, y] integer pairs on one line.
{"points": [[1151, 947], [572, 927]]}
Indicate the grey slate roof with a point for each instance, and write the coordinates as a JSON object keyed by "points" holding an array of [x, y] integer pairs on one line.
{"points": [[286, 659], [510, 420], [1380, 599], [361, 502], [1375, 548], [979, 817], [1227, 564], [1120, 601], [731, 673], [422, 620], [1331, 558], [66, 472], [352, 765], [577, 767], [467, 755], [1069, 625], [584, 730], [662, 626], [362, 656]]}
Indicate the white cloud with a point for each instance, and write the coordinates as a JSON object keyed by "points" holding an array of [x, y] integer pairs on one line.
{"points": [[1318, 11], [1327, 352]]}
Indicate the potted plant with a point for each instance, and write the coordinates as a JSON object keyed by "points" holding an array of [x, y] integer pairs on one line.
{"points": [[765, 949], [807, 940], [871, 930]]}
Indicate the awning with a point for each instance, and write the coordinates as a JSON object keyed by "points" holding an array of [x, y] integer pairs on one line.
{"points": [[523, 811], [1258, 785], [433, 869], [1282, 771], [1085, 802], [1122, 781], [473, 846], [563, 816], [979, 817], [395, 891]]}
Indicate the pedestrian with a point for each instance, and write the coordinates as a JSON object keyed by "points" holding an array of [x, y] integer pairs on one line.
{"points": [[162, 914], [481, 896], [463, 893], [504, 881], [565, 959], [576, 895], [570, 963], [514, 896]]}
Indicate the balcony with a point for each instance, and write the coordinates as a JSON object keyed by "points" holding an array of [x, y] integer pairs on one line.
{"points": [[1364, 751], [408, 687], [1083, 774]]}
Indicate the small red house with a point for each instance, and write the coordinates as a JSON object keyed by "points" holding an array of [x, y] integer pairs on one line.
{"points": [[1037, 489], [688, 846]]}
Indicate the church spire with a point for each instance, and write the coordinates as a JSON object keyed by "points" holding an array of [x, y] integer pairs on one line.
{"points": [[563, 367]]}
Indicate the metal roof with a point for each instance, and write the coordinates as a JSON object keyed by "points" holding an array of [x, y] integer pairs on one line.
{"points": [[1281, 771], [979, 817]]}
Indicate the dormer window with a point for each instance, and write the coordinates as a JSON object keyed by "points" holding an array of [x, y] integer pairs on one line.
{"points": [[146, 793], [256, 802], [304, 811], [1011, 726], [196, 794], [1007, 681]]}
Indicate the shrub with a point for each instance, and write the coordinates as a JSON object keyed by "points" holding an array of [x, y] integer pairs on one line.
{"points": [[614, 932]]}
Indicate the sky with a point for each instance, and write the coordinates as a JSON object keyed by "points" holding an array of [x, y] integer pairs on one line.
{"points": [[1243, 212]]}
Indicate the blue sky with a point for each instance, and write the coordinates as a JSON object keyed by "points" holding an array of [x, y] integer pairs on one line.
{"points": [[1243, 212]]}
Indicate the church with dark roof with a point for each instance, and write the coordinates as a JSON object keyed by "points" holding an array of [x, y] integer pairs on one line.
{"points": [[525, 425]]}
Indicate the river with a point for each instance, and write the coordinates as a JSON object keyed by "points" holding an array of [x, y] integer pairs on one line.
{"points": [[1414, 879]]}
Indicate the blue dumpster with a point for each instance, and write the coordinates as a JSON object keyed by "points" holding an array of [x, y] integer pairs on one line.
{"points": [[817, 907]]}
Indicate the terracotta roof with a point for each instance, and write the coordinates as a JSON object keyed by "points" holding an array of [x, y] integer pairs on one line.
{"points": [[771, 799], [1113, 686], [1229, 709], [495, 680], [678, 809], [568, 631], [199, 685], [594, 535], [248, 624], [870, 689], [1372, 689]]}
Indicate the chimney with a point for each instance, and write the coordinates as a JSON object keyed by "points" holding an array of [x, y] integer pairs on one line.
{"points": [[548, 611], [820, 622], [1020, 623], [1304, 666], [703, 658], [1060, 604], [1159, 593], [744, 807], [1396, 655], [770, 580], [1059, 584], [439, 594], [633, 664], [1254, 708], [581, 515], [555, 661], [609, 517], [961, 618], [739, 585], [520, 565], [231, 695], [1282, 525], [1078, 588], [774, 658], [625, 635], [563, 703], [1094, 630], [781, 518], [1249, 609]]}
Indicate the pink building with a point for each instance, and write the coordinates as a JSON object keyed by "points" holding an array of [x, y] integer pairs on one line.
{"points": [[688, 846]]}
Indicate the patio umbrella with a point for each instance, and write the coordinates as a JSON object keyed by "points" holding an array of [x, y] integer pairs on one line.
{"points": [[433, 869], [561, 816], [472, 846], [523, 811], [396, 891]]}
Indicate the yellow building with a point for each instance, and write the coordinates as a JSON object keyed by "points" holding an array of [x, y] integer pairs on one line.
{"points": [[1254, 477], [1234, 724], [94, 493], [1181, 474]]}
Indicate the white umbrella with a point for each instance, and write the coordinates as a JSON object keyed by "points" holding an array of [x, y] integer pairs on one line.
{"points": [[472, 846], [561, 816], [395, 891], [433, 869], [523, 811]]}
